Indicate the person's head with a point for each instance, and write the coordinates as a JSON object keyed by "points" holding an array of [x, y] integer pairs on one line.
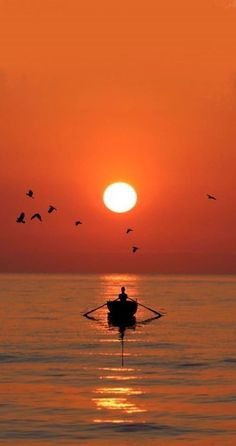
{"points": [[123, 289]]}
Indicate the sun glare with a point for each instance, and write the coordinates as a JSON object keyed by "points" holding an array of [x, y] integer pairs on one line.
{"points": [[120, 197]]}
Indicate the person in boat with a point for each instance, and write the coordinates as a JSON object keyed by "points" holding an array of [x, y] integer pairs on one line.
{"points": [[123, 296]]}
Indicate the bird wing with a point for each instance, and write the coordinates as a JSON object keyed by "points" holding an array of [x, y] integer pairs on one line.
{"points": [[51, 208], [36, 216]]}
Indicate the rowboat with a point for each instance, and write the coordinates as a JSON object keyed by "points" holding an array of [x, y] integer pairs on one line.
{"points": [[122, 310]]}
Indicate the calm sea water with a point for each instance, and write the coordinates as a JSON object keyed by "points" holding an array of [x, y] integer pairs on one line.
{"points": [[62, 380]]}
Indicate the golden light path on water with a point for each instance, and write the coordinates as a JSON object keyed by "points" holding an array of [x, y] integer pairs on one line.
{"points": [[117, 399], [116, 402]]}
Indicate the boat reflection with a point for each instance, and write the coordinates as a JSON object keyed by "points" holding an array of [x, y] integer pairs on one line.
{"points": [[124, 324]]}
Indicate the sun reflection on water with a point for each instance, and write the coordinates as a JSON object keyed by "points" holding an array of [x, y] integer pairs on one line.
{"points": [[115, 402], [117, 369], [118, 374], [118, 390], [114, 421], [119, 377], [118, 401]]}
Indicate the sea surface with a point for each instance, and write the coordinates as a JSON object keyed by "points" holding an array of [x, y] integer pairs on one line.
{"points": [[69, 380]]}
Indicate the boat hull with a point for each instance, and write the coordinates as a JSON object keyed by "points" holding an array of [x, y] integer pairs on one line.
{"points": [[122, 310]]}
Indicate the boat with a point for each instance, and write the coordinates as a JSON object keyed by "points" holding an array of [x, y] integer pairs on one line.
{"points": [[122, 310]]}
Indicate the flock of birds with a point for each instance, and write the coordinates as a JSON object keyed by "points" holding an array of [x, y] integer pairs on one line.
{"points": [[30, 194]]}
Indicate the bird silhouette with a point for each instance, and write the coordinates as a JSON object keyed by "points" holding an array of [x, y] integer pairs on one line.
{"points": [[51, 209], [30, 193], [38, 216], [129, 230], [78, 223], [21, 217], [211, 197], [134, 248]]}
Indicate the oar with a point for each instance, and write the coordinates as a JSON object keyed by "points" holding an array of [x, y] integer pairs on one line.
{"points": [[91, 311], [147, 308]]}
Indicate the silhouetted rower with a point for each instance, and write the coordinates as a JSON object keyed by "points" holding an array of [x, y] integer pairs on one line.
{"points": [[123, 296]]}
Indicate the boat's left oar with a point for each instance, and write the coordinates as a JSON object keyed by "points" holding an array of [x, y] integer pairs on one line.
{"points": [[147, 308], [91, 311]]}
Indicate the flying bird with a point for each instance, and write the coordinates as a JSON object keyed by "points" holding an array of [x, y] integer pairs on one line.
{"points": [[30, 193], [134, 248], [78, 223], [38, 216], [21, 217], [51, 209], [129, 230], [211, 197]]}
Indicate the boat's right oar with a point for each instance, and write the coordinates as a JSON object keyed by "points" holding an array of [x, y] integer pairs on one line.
{"points": [[147, 308], [91, 311]]}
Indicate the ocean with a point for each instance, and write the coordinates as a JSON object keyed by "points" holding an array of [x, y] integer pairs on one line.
{"points": [[69, 380]]}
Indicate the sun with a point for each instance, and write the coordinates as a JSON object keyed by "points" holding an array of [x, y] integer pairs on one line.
{"points": [[120, 197]]}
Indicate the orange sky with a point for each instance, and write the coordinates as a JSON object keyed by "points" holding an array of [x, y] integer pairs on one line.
{"points": [[96, 92]]}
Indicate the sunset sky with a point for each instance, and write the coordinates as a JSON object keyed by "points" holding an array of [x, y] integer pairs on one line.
{"points": [[97, 92]]}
